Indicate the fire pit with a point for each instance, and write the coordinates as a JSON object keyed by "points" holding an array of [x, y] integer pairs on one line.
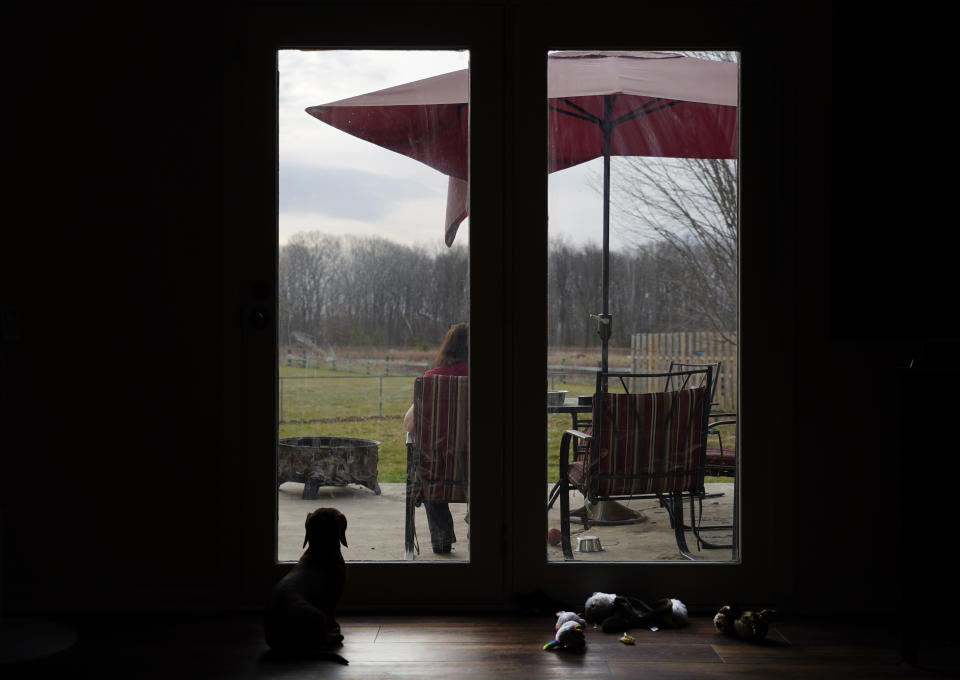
{"points": [[328, 461]]}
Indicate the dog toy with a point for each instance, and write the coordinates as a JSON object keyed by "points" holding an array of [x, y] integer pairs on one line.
{"points": [[563, 617], [569, 634], [569, 637], [746, 625], [598, 607], [554, 537], [618, 613]]}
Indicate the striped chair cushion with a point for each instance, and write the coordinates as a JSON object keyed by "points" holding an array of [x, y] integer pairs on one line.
{"points": [[441, 411], [647, 443]]}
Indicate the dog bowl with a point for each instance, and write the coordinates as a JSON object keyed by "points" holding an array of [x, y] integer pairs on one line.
{"points": [[556, 397], [588, 544], [585, 400]]}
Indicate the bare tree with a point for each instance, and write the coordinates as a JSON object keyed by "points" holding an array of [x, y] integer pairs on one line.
{"points": [[369, 290], [372, 291], [308, 284], [691, 207]]}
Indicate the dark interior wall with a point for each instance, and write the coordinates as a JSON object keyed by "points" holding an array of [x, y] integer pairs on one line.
{"points": [[875, 318], [111, 261], [112, 270]]}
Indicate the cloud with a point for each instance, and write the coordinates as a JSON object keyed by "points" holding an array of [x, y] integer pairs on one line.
{"points": [[342, 192], [336, 183]]}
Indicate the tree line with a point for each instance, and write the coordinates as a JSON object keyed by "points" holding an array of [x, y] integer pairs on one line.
{"points": [[369, 291], [372, 291]]}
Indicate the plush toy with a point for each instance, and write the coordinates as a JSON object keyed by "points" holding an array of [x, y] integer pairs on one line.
{"points": [[569, 635], [563, 617], [618, 613], [746, 625]]}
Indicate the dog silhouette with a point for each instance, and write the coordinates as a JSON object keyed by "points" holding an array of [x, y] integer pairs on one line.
{"points": [[300, 619]]}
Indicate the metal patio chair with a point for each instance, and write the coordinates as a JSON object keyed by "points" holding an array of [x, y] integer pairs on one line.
{"points": [[678, 377], [720, 461], [642, 445], [438, 454]]}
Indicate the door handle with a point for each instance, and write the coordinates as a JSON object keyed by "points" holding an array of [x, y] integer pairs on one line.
{"points": [[258, 319]]}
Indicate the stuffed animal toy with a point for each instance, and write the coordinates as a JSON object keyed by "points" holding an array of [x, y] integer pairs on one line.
{"points": [[563, 617], [598, 607], [569, 635], [618, 613], [746, 625]]}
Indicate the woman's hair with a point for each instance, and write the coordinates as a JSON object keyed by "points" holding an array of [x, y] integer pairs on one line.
{"points": [[455, 346]]}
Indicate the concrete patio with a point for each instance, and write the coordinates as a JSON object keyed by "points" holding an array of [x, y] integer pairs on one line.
{"points": [[375, 530]]}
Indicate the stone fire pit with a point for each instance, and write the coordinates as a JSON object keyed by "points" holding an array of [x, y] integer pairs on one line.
{"points": [[328, 461]]}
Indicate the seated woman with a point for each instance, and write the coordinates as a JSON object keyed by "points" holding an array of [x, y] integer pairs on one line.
{"points": [[452, 359]]}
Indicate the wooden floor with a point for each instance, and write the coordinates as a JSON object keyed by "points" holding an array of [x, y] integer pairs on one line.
{"points": [[473, 647]]}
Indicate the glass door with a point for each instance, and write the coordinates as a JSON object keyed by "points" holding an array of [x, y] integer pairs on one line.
{"points": [[355, 284], [603, 168], [374, 292], [642, 268], [325, 370]]}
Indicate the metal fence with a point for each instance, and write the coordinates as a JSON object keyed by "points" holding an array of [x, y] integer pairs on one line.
{"points": [[388, 366], [384, 387], [316, 398]]}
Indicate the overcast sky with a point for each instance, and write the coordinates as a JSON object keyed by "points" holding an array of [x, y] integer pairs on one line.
{"points": [[335, 183]]}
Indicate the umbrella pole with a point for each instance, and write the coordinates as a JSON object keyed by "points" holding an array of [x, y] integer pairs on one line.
{"points": [[606, 512], [603, 325]]}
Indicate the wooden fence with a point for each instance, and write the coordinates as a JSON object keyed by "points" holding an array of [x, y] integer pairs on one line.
{"points": [[653, 352]]}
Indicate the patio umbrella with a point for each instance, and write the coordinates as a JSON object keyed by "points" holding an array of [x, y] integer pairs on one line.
{"points": [[601, 104]]}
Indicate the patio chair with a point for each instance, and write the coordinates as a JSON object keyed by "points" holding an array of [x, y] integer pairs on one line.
{"points": [[642, 445], [677, 379], [438, 452], [721, 460]]}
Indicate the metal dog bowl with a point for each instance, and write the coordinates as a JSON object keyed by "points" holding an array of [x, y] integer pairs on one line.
{"points": [[556, 397], [588, 544]]}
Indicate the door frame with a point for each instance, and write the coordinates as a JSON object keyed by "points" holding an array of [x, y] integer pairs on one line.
{"points": [[267, 30], [508, 246], [765, 447]]}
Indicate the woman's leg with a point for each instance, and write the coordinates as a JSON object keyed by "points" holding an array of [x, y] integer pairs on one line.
{"points": [[440, 521]]}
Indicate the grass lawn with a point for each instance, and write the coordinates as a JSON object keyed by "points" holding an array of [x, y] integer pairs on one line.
{"points": [[324, 403], [318, 402]]}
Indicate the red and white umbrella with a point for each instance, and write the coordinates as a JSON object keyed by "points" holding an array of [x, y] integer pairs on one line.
{"points": [[601, 104]]}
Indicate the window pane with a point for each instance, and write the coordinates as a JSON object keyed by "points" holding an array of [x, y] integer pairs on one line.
{"points": [[642, 270], [372, 280]]}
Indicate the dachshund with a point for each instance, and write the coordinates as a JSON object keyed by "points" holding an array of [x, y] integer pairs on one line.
{"points": [[299, 620]]}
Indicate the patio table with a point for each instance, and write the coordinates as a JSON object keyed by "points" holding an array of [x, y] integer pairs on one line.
{"points": [[572, 406]]}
